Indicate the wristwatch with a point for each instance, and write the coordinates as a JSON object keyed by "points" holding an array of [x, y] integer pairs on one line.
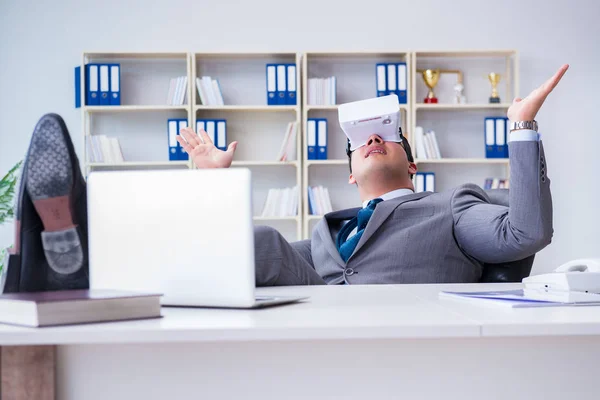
{"points": [[516, 125]]}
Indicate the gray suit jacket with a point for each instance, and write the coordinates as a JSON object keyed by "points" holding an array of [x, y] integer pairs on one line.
{"points": [[442, 237]]}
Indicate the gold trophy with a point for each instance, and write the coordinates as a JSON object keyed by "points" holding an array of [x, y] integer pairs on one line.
{"points": [[494, 79], [431, 77]]}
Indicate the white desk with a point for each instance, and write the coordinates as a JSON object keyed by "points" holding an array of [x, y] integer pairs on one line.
{"points": [[363, 342]]}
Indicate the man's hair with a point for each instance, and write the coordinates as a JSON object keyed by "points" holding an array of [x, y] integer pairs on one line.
{"points": [[404, 143]]}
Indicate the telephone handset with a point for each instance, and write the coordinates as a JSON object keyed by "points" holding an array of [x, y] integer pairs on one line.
{"points": [[581, 265], [582, 275]]}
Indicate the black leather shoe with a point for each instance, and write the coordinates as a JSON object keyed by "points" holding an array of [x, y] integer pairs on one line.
{"points": [[51, 214]]}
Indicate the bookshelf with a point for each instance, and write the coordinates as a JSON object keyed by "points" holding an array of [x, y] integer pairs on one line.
{"points": [[140, 122], [459, 127], [258, 127], [355, 80]]}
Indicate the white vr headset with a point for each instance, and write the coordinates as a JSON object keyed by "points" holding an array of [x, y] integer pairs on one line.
{"points": [[361, 119]]}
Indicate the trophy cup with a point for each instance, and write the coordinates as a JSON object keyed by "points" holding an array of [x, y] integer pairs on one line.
{"points": [[494, 79], [431, 77]]}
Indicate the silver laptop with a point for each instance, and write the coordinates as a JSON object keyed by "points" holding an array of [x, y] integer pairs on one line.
{"points": [[187, 234]]}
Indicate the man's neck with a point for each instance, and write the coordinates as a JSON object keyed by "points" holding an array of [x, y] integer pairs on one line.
{"points": [[375, 192]]}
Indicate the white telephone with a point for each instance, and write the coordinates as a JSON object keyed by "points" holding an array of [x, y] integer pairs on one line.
{"points": [[581, 275]]}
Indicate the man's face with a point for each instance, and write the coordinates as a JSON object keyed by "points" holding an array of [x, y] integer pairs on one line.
{"points": [[377, 159]]}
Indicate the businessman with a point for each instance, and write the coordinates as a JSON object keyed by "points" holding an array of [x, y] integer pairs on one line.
{"points": [[399, 236]]}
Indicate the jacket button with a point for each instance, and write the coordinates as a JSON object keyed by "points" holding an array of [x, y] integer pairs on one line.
{"points": [[349, 271]]}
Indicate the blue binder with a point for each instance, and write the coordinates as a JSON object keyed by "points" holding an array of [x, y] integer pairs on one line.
{"points": [[115, 84], [281, 84], [104, 84], [311, 139], [221, 134], [182, 154], [291, 85], [271, 84], [391, 77], [172, 132], [506, 136], [211, 130], [92, 85], [501, 130], [419, 182], [381, 79], [401, 83], [489, 137], [321, 139], [429, 182], [200, 125], [77, 87]]}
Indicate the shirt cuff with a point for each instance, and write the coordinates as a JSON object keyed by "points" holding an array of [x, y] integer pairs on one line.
{"points": [[524, 135]]}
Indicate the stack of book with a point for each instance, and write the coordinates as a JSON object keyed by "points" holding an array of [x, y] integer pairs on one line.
{"points": [[281, 203], [318, 200], [103, 149], [495, 183], [67, 307], [322, 91], [287, 152], [209, 91], [178, 91], [427, 144]]}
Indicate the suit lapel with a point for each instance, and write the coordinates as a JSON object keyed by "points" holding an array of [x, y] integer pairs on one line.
{"points": [[324, 231], [382, 212]]}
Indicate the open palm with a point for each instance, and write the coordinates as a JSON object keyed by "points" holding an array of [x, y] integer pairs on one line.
{"points": [[202, 150], [526, 109]]}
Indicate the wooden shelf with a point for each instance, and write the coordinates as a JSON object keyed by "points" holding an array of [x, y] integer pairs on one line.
{"points": [[403, 107], [245, 55], [264, 163], [295, 219], [135, 55], [114, 109], [248, 108], [421, 106], [467, 53], [366, 54], [463, 161], [326, 162], [139, 164]]}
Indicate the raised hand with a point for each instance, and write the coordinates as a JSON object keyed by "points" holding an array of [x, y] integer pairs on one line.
{"points": [[526, 109], [203, 152]]}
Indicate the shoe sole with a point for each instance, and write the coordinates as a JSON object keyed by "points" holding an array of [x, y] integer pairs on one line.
{"points": [[49, 175], [49, 183]]}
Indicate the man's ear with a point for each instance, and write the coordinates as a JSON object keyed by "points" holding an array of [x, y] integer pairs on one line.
{"points": [[351, 180], [412, 168]]}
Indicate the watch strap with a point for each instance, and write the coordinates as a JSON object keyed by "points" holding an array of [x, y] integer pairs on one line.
{"points": [[517, 125]]}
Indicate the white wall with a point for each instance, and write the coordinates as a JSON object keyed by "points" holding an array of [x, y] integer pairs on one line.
{"points": [[41, 42]]}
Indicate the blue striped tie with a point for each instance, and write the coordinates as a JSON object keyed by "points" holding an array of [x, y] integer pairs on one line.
{"points": [[346, 247]]}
